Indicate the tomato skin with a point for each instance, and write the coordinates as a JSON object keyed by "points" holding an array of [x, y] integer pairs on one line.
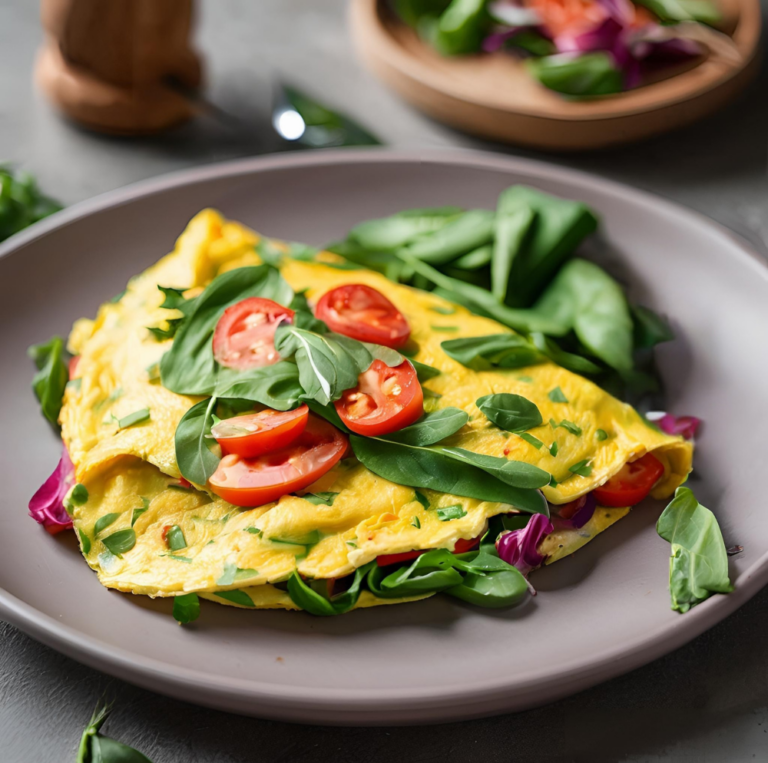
{"points": [[272, 430], [466, 544], [363, 313], [74, 361], [632, 484], [245, 334], [386, 559], [256, 481], [384, 401]]}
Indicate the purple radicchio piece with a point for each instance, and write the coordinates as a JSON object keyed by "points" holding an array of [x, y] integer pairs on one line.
{"points": [[47, 505], [519, 547]]}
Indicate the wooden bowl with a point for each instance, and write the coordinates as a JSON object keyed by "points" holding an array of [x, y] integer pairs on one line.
{"points": [[493, 95]]}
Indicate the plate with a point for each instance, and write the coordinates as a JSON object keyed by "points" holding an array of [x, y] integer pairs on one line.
{"points": [[495, 97], [598, 614]]}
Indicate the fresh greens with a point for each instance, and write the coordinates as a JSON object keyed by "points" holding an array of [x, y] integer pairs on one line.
{"points": [[102, 523], [432, 428], [464, 233], [585, 75], [276, 386], [175, 538], [582, 468], [513, 223], [447, 513], [493, 351], [194, 454], [186, 608], [137, 417], [51, 378], [322, 498], [601, 434], [556, 395], [238, 597], [21, 202], [518, 474], [531, 440], [423, 371], [314, 601], [161, 334], [79, 495], [510, 412], [422, 499], [391, 233], [96, 748], [120, 542], [698, 566], [650, 328]]}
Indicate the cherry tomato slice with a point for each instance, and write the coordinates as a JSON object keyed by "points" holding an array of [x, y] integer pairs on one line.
{"points": [[363, 313], [245, 334], [632, 483], [461, 546], [256, 433], [256, 481], [385, 400], [466, 544], [74, 361]]}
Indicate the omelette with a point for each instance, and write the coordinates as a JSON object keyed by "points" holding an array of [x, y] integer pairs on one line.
{"points": [[119, 425]]}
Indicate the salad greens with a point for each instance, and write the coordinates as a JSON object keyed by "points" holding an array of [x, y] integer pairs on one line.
{"points": [[97, 748], [51, 378], [21, 202], [698, 566], [512, 413]]}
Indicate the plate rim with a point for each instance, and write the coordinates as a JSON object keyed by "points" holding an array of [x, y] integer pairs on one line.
{"points": [[391, 705]]}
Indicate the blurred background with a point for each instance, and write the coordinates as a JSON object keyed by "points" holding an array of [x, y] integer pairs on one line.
{"points": [[707, 702]]}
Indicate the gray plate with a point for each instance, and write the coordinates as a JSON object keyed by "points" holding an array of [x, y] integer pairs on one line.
{"points": [[598, 614]]}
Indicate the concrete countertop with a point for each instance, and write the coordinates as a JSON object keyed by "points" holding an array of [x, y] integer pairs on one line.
{"points": [[706, 702]]}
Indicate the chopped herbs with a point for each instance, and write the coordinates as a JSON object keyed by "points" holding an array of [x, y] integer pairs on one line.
{"points": [[240, 598], [531, 440], [138, 512], [310, 539], [178, 558], [443, 310], [186, 608], [416, 523], [422, 499], [79, 495], [351, 543], [324, 498], [175, 539], [444, 328], [553, 448], [120, 542], [233, 574], [253, 530], [601, 434], [153, 375], [525, 379], [556, 396], [137, 417], [85, 541], [161, 334], [582, 468], [448, 513], [569, 426], [103, 522]]}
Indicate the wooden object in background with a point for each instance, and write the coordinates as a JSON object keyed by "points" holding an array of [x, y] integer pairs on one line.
{"points": [[494, 96], [105, 62]]}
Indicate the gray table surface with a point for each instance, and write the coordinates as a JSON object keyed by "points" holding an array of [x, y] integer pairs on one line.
{"points": [[706, 702]]}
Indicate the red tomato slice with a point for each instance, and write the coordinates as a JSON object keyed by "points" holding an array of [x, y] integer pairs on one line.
{"points": [[256, 481], [245, 334], [461, 547], [632, 483], [365, 314], [256, 433], [385, 400], [466, 544], [73, 363]]}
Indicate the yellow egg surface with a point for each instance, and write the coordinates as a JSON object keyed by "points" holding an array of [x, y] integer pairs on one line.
{"points": [[132, 476]]}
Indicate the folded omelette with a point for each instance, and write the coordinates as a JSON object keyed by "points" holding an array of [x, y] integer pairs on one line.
{"points": [[243, 556]]}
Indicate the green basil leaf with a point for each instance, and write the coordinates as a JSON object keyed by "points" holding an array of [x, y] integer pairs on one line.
{"points": [[313, 602], [79, 495], [304, 317], [460, 29], [432, 428], [175, 539], [21, 201], [51, 378], [422, 499], [530, 439], [414, 523], [137, 417], [161, 334], [471, 261], [186, 608], [437, 469], [428, 573], [324, 498], [392, 232], [447, 513], [582, 468], [236, 597], [556, 395], [553, 448], [650, 328], [698, 565], [423, 371], [276, 386], [512, 227], [493, 590], [103, 522], [328, 412], [601, 434], [518, 474], [510, 412], [464, 233], [576, 363], [197, 462], [189, 368], [493, 351], [85, 542], [120, 542], [587, 74], [174, 299]]}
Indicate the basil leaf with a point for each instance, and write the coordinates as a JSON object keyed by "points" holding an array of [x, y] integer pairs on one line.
{"points": [[161, 334], [310, 539], [196, 460], [587, 74], [493, 590], [392, 232], [276, 386], [174, 299], [51, 378], [493, 351], [512, 228], [460, 28], [422, 499], [95, 748], [428, 573], [569, 426], [232, 573], [186, 608], [236, 597], [189, 368], [175, 538], [79, 495], [530, 439], [304, 317], [582, 468], [423, 371], [650, 328], [85, 542], [518, 474], [313, 602], [414, 523], [576, 363], [464, 233], [137, 417], [432, 428], [324, 498], [103, 522], [120, 542], [556, 395], [510, 412], [436, 469], [553, 448], [698, 566], [447, 513], [601, 434]]}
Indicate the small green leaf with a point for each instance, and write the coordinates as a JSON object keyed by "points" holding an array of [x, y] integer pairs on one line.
{"points": [[177, 558], [324, 498], [556, 396], [449, 329], [175, 539], [103, 522], [186, 608], [448, 513], [443, 310], [423, 371], [310, 539], [161, 334], [422, 499], [253, 530], [432, 428], [236, 597], [510, 412], [582, 468], [79, 495], [137, 417], [553, 448], [416, 523], [120, 542], [174, 298], [85, 542], [351, 543], [530, 439], [51, 378], [232, 574], [569, 426], [601, 434]]}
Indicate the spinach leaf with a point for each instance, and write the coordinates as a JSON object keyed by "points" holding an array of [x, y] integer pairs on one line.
{"points": [[186, 608], [569, 426], [175, 538], [102, 523], [276, 386], [51, 378], [423, 371], [428, 573], [474, 260], [315, 603], [492, 590], [120, 542], [189, 368], [518, 474], [698, 566], [587, 74], [512, 227], [197, 462], [95, 748], [304, 318], [232, 573], [576, 363], [392, 232], [458, 236], [495, 350], [447, 513], [322, 498], [441, 470], [236, 597], [161, 334], [432, 428], [21, 202], [510, 412], [650, 328], [85, 542], [79, 495], [174, 299], [460, 29]]}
